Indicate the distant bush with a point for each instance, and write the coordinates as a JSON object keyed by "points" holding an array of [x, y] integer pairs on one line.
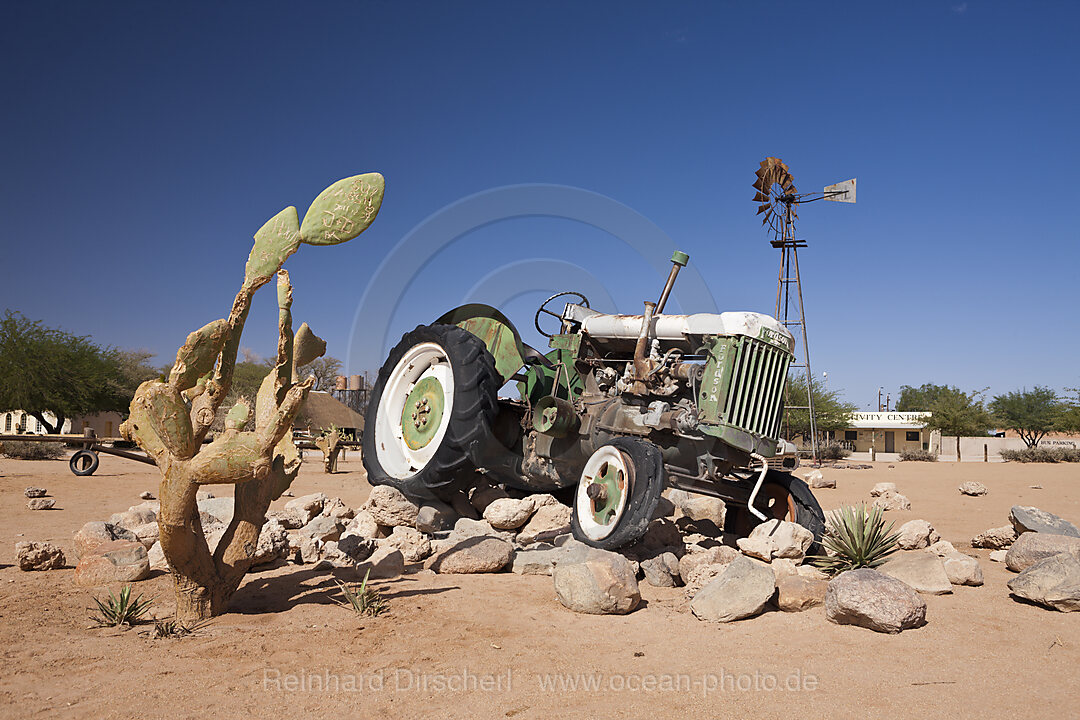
{"points": [[918, 455], [23, 450], [1041, 455], [834, 451]]}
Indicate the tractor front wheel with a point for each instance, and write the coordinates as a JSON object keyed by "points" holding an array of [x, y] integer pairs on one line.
{"points": [[618, 493]]}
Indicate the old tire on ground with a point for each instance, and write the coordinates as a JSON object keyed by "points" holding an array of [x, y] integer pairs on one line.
{"points": [[84, 462], [435, 396], [618, 515]]}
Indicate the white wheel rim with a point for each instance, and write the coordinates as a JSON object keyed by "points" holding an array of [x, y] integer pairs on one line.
{"points": [[583, 504], [397, 459]]}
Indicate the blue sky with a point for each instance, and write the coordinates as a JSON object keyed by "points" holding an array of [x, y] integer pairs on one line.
{"points": [[143, 144]]}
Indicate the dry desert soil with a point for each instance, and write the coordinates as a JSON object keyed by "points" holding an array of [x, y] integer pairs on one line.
{"points": [[495, 646]]}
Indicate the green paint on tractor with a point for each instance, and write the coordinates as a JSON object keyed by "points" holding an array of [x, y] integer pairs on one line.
{"points": [[613, 482], [423, 411]]}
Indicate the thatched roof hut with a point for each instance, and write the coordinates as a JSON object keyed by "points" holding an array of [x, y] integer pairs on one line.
{"points": [[321, 410]]}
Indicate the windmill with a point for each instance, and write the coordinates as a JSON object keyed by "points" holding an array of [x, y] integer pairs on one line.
{"points": [[779, 200]]}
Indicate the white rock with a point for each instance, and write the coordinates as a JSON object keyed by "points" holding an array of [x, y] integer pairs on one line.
{"points": [[882, 488], [917, 534], [601, 583], [741, 591], [386, 562], [412, 543], [962, 569], [869, 599], [777, 538], [364, 525], [508, 513], [920, 569], [307, 507], [547, 522], [390, 507], [892, 501]]}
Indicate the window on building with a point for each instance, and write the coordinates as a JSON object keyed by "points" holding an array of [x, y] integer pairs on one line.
{"points": [[22, 422], [913, 436], [7, 423], [851, 434], [37, 425]]}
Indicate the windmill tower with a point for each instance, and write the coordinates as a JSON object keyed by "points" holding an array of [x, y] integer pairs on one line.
{"points": [[779, 200]]}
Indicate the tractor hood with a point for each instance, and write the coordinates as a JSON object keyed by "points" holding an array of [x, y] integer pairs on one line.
{"points": [[675, 328]]}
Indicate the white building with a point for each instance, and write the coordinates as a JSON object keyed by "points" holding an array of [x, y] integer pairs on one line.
{"points": [[887, 432], [18, 421]]}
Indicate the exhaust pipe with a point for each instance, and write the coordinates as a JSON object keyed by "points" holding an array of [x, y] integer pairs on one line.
{"points": [[678, 261], [641, 363]]}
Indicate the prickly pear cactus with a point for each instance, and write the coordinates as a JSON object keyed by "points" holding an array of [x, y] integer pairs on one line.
{"points": [[169, 419]]}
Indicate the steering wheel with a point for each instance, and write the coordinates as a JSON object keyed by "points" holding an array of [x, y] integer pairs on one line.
{"points": [[543, 310]]}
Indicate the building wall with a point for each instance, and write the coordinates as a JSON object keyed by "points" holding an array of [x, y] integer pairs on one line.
{"points": [[104, 425], [865, 438], [9, 420], [972, 449]]}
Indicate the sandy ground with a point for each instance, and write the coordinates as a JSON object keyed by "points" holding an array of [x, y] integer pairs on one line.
{"points": [[502, 646]]}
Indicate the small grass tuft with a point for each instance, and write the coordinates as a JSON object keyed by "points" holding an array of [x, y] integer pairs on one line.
{"points": [[175, 628], [362, 599], [116, 611]]}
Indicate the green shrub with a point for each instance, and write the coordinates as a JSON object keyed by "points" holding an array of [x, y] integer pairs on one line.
{"points": [[29, 450], [855, 538], [1042, 455], [834, 451], [918, 455]]}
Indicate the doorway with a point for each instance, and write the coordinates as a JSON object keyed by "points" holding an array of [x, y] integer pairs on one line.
{"points": [[890, 441]]}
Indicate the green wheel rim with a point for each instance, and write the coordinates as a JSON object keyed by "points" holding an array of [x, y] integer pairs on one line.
{"points": [[614, 483], [423, 413]]}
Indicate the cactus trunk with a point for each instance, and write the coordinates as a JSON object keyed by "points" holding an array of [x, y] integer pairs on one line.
{"points": [[170, 419]]}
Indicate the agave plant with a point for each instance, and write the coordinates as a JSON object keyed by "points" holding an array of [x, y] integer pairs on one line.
{"points": [[855, 538], [363, 600], [122, 610]]}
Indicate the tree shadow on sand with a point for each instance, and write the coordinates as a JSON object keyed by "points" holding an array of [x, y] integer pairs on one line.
{"points": [[284, 592]]}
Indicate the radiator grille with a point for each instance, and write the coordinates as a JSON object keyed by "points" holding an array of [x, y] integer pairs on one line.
{"points": [[757, 385]]}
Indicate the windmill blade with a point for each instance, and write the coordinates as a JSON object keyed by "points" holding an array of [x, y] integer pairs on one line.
{"points": [[761, 197], [761, 209]]}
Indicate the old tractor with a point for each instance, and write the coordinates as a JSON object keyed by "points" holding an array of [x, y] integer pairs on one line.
{"points": [[620, 408]]}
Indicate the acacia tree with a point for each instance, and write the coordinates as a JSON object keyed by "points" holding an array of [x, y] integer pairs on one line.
{"points": [[1032, 414], [955, 412], [325, 371], [1068, 419], [170, 418], [830, 412], [43, 370], [919, 399]]}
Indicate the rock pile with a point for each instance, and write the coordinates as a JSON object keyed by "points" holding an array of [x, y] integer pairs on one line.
{"points": [[1045, 550]]}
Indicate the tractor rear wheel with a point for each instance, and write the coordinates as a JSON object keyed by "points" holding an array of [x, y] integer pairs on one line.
{"points": [[618, 492], [435, 396], [784, 497]]}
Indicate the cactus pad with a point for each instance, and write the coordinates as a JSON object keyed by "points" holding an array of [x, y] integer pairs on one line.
{"points": [[343, 210], [274, 243]]}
